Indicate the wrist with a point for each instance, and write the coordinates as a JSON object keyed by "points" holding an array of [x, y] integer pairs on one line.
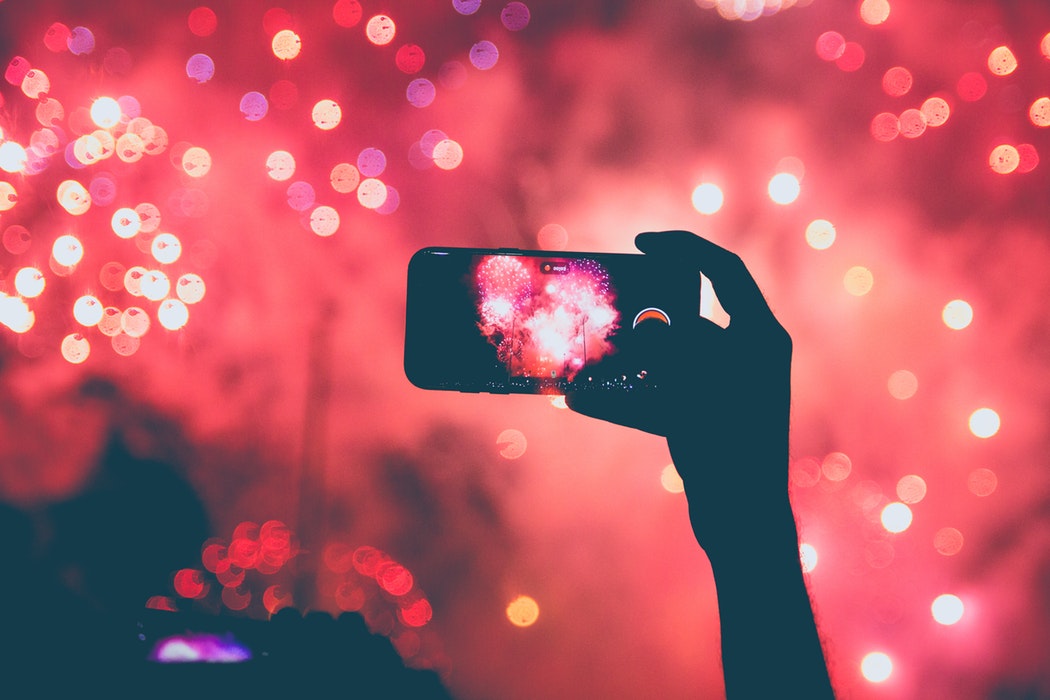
{"points": [[762, 536]]}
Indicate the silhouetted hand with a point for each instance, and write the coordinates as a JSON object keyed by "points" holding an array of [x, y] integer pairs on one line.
{"points": [[724, 407], [725, 394]]}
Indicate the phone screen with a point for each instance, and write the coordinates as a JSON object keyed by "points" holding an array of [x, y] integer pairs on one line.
{"points": [[537, 322]]}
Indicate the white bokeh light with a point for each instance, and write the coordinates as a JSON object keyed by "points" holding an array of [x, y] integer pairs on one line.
{"points": [[708, 198], [947, 609], [784, 188], [984, 422], [876, 667], [896, 517]]}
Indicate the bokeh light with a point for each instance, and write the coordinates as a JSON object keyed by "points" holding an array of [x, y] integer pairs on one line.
{"points": [[1039, 112], [911, 489], [1004, 159], [885, 126], [17, 239], [202, 21], [902, 384], [56, 37], [852, 57], [134, 322], [552, 237], [29, 282], [190, 288], [805, 472], [154, 285], [515, 16], [876, 667], [808, 557], [286, 45], [671, 480], [957, 314], [523, 611], [81, 41], [896, 517], [511, 443], [166, 248], [196, 161], [254, 106], [874, 12], [484, 55], [1028, 157], [836, 466], [784, 188], [948, 541], [707, 198], [858, 280], [897, 81], [280, 165], [344, 178], [1001, 61], [420, 93], [982, 482], [74, 197], [189, 583], [75, 348], [947, 609], [820, 234], [380, 30], [67, 250], [971, 86], [466, 7], [327, 114], [301, 195], [36, 84], [935, 110], [276, 597], [200, 67], [13, 157], [105, 112], [830, 45], [912, 123], [984, 422], [347, 13], [371, 193], [109, 324], [448, 154], [87, 310], [410, 59], [371, 162], [324, 220], [15, 314]]}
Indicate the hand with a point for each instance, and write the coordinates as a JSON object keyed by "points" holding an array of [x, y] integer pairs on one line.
{"points": [[724, 407], [725, 397]]}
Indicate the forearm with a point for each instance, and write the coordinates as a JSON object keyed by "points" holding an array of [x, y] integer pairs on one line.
{"points": [[770, 643]]}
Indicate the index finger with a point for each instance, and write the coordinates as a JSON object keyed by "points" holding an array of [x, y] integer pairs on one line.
{"points": [[736, 288]]}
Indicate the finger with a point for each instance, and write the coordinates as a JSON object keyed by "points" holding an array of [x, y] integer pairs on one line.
{"points": [[736, 288], [629, 411]]}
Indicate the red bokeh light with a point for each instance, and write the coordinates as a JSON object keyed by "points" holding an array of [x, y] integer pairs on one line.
{"points": [[202, 21]]}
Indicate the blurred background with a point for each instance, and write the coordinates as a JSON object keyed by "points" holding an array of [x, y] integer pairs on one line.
{"points": [[207, 211]]}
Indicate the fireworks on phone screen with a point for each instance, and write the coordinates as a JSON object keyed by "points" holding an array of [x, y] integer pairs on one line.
{"points": [[547, 318]]}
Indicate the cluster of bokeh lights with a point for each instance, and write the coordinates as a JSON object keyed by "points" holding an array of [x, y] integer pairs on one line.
{"points": [[87, 136]]}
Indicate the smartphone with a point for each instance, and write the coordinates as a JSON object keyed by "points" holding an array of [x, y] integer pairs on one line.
{"points": [[512, 321]]}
